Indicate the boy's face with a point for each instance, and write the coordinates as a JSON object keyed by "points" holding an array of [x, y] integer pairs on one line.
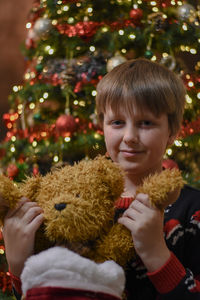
{"points": [[137, 141]]}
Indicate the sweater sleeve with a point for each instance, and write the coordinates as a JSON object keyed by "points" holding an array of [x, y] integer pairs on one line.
{"points": [[181, 279], [16, 283], [173, 281]]}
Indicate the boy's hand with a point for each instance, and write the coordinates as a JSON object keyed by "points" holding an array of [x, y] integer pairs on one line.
{"points": [[20, 226], [146, 225]]}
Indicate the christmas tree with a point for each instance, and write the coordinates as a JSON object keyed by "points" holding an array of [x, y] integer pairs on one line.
{"points": [[70, 46]]}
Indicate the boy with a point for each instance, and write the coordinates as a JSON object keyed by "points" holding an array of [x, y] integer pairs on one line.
{"points": [[140, 106]]}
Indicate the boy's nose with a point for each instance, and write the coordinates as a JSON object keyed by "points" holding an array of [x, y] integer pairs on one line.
{"points": [[131, 135]]}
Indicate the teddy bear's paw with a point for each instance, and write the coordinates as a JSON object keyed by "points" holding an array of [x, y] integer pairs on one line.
{"points": [[117, 245], [163, 188], [9, 196]]}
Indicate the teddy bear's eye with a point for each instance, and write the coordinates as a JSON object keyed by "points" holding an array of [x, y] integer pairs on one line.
{"points": [[78, 195]]}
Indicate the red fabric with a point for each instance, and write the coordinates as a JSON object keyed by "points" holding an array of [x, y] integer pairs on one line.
{"points": [[55, 293], [16, 282], [123, 202], [168, 276]]}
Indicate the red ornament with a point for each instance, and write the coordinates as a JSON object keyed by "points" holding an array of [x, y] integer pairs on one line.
{"points": [[136, 14], [35, 169], [66, 123], [169, 164], [12, 171]]}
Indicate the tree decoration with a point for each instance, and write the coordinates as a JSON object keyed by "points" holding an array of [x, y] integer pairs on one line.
{"points": [[168, 61], [187, 12], [158, 21], [114, 61], [136, 14], [169, 164], [66, 124], [12, 171], [41, 27]]}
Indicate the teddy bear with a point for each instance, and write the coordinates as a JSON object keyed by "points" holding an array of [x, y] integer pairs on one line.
{"points": [[85, 250], [79, 205]]}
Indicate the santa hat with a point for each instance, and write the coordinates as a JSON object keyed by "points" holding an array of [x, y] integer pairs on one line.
{"points": [[60, 267]]}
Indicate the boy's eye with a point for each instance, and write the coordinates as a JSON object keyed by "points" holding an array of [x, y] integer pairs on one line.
{"points": [[117, 122], [146, 123]]}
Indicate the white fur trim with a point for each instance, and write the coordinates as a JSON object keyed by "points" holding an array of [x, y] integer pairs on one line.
{"points": [[61, 267]]}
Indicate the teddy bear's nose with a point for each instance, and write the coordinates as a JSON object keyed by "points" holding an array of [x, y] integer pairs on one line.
{"points": [[60, 206]]}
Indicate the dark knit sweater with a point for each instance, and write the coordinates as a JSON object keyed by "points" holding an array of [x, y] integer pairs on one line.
{"points": [[178, 278]]}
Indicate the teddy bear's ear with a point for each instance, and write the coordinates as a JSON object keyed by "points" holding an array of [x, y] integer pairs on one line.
{"points": [[110, 175], [31, 186], [9, 196]]}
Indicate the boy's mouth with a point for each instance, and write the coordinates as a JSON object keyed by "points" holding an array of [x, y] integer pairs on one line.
{"points": [[130, 153]]}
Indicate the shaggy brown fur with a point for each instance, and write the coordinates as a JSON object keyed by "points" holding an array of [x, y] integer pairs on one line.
{"points": [[87, 191]]}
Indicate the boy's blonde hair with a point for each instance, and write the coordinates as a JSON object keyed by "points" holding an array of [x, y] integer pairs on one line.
{"points": [[146, 85]]}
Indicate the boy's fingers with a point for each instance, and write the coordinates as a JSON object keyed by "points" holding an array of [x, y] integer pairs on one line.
{"points": [[21, 208]]}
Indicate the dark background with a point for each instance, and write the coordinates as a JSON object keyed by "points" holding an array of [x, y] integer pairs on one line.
{"points": [[13, 19]]}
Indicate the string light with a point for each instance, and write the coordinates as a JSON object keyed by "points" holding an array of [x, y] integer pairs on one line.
{"points": [[193, 51], [70, 20], [51, 51], [155, 9], [65, 8], [56, 158], [94, 93], [28, 25], [154, 58], [54, 22], [92, 48], [188, 99], [132, 36], [97, 136], [185, 28], [15, 88], [121, 32], [13, 138], [12, 148], [82, 103], [34, 143], [169, 151], [45, 95], [90, 9], [190, 83], [104, 29], [32, 105], [67, 139], [178, 143]]}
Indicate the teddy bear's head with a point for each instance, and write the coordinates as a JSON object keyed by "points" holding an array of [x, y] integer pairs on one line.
{"points": [[78, 201]]}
